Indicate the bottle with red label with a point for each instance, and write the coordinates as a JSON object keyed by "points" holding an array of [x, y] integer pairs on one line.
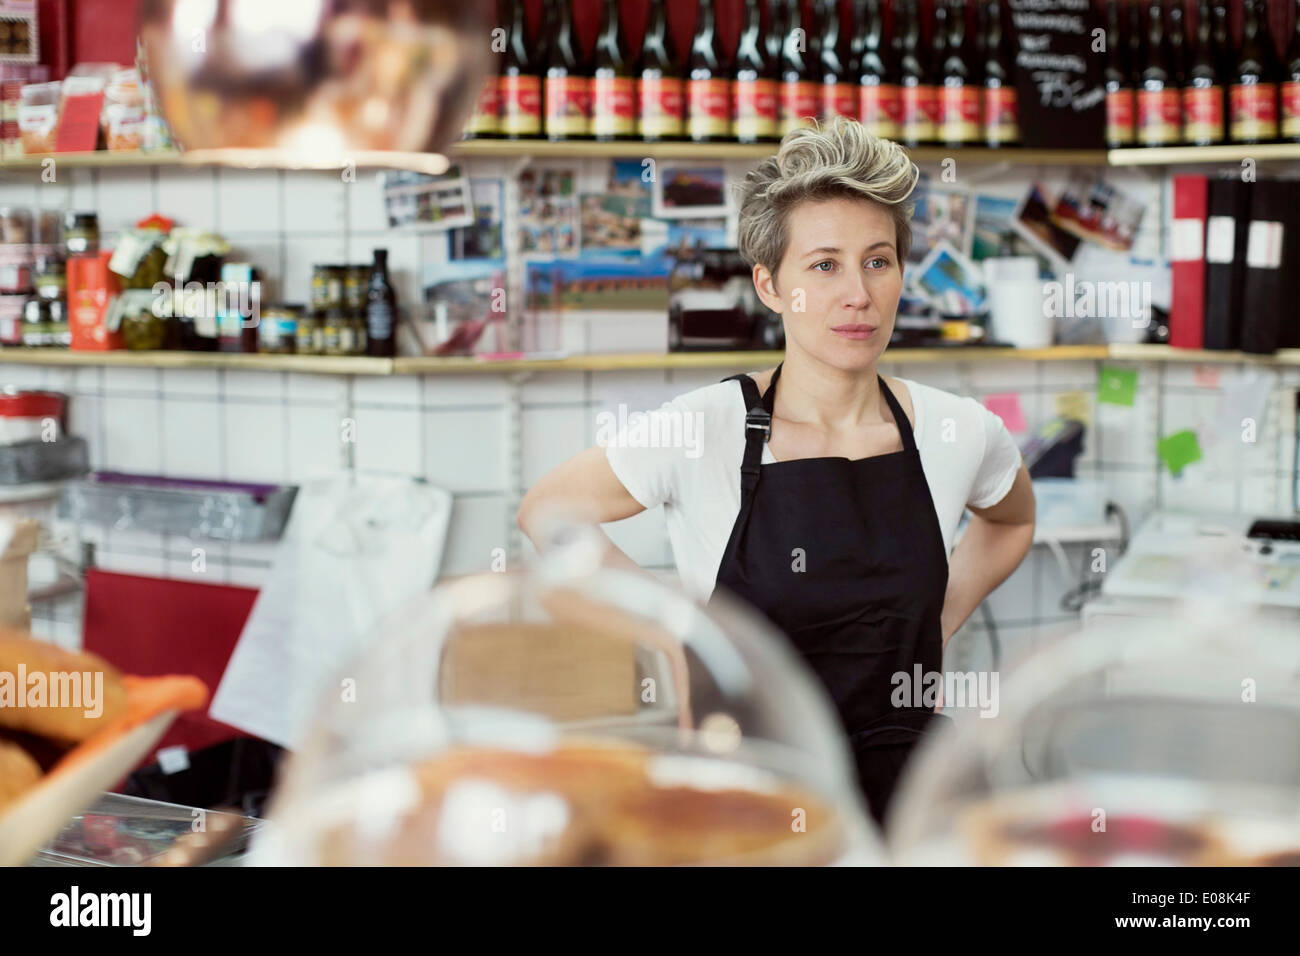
{"points": [[800, 92], [1159, 102], [1290, 92], [568, 79], [878, 100], [1000, 108], [1203, 100], [661, 91], [960, 118], [755, 89], [839, 86], [521, 82], [485, 121], [613, 87], [1121, 118], [1253, 97], [708, 87], [917, 100]]}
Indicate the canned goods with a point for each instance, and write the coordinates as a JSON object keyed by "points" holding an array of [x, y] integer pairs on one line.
{"points": [[277, 331]]}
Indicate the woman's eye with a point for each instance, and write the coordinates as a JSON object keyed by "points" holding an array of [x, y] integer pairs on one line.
{"points": [[879, 262], [826, 262]]}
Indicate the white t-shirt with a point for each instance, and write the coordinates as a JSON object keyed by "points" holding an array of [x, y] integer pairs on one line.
{"points": [[686, 456]]}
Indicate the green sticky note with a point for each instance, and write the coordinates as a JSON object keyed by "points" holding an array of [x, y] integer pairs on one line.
{"points": [[1116, 386], [1179, 450]]}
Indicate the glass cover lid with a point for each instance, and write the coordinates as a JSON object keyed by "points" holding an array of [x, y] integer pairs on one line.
{"points": [[571, 713]]}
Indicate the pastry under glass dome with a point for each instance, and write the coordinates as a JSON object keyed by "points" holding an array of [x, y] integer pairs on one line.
{"points": [[571, 713], [1167, 741]]}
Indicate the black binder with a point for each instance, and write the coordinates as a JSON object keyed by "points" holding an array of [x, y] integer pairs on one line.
{"points": [[1225, 261], [1268, 302]]}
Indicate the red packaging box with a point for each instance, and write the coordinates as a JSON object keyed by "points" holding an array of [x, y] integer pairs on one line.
{"points": [[91, 286]]}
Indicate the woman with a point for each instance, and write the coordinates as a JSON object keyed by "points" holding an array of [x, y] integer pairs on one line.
{"points": [[822, 493]]}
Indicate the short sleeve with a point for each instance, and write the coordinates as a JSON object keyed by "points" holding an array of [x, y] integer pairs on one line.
{"points": [[999, 464], [646, 449]]}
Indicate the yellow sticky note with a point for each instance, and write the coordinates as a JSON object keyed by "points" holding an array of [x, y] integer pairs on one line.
{"points": [[1076, 405]]}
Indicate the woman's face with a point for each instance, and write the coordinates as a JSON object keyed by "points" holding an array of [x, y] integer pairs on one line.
{"points": [[838, 286]]}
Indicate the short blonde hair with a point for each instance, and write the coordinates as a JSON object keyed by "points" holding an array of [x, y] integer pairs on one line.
{"points": [[838, 160]]}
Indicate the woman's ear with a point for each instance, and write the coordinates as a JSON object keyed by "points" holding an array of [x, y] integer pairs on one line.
{"points": [[765, 286]]}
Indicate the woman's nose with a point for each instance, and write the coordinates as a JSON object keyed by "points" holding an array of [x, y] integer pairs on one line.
{"points": [[857, 294]]}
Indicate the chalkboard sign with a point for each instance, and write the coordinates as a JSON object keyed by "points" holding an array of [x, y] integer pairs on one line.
{"points": [[1060, 84]]}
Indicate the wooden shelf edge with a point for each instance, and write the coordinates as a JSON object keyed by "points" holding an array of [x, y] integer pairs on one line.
{"points": [[617, 361]]}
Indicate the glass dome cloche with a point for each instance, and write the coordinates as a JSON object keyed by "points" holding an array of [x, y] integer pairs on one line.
{"points": [[1171, 740], [571, 713]]}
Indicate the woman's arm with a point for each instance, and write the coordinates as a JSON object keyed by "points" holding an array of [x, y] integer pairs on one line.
{"points": [[995, 542], [586, 489]]}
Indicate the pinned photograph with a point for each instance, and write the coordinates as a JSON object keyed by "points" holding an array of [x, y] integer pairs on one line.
{"points": [[548, 212], [938, 215], [1033, 221], [612, 220], [951, 282], [484, 238], [1093, 209], [429, 203], [683, 191]]}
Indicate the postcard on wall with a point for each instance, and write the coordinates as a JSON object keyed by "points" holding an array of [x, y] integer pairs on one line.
{"points": [[484, 238], [613, 220], [548, 212], [610, 283], [1033, 221], [690, 191], [1093, 209], [427, 203], [953, 283], [938, 215]]}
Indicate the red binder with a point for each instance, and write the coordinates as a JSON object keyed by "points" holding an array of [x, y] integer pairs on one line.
{"points": [[1187, 261], [152, 626]]}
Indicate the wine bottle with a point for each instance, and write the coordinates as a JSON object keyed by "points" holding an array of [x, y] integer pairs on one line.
{"points": [[613, 88], [1253, 111], [485, 121], [1120, 118], [878, 104], [1000, 107], [1290, 91], [661, 92], [708, 88], [799, 93], [1203, 90], [381, 310], [755, 88], [959, 92], [1159, 104], [916, 92], [568, 83], [839, 87], [521, 82]]}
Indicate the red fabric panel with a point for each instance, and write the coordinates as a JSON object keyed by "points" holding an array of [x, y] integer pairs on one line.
{"points": [[154, 626]]}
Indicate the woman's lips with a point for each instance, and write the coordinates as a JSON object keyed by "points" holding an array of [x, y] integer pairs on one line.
{"points": [[856, 331]]}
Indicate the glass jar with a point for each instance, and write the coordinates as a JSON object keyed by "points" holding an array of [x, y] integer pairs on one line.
{"points": [[311, 335], [326, 287], [15, 225], [81, 234], [334, 330], [355, 281], [144, 331], [50, 278], [36, 323], [277, 329], [632, 727], [58, 333]]}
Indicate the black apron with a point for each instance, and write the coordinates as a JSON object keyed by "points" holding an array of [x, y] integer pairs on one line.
{"points": [[847, 558]]}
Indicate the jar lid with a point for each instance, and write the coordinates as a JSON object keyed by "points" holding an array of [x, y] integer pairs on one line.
{"points": [[20, 404]]}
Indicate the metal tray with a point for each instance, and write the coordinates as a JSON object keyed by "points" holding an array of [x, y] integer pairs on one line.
{"points": [[224, 511]]}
